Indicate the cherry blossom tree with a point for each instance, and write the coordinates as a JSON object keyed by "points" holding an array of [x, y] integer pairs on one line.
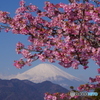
{"points": [[67, 33]]}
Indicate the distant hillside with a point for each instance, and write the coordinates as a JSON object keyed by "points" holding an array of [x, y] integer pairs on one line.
{"points": [[16, 89]]}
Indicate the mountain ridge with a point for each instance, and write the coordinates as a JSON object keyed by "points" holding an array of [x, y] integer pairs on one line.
{"points": [[16, 89]]}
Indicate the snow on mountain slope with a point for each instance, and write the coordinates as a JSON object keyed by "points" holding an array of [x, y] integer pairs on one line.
{"points": [[44, 71]]}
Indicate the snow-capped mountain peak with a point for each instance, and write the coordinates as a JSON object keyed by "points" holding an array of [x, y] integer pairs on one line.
{"points": [[44, 71]]}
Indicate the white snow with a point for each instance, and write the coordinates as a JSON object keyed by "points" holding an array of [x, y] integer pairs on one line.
{"points": [[44, 72]]}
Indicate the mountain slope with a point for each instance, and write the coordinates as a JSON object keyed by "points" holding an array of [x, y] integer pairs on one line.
{"points": [[15, 89], [43, 72]]}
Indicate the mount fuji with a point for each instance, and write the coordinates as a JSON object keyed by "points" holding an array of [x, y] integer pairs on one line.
{"points": [[49, 72]]}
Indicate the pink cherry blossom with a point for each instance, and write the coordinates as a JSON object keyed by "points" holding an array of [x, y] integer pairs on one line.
{"points": [[19, 64], [98, 70], [22, 3], [21, 10], [33, 7], [66, 33], [85, 67], [26, 53]]}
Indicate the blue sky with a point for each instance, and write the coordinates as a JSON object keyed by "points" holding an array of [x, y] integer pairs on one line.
{"points": [[8, 42]]}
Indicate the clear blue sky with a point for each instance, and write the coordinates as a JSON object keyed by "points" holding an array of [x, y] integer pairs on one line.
{"points": [[8, 42]]}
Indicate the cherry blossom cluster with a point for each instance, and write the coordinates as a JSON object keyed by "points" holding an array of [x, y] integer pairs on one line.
{"points": [[67, 33], [88, 87], [59, 96], [96, 79]]}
